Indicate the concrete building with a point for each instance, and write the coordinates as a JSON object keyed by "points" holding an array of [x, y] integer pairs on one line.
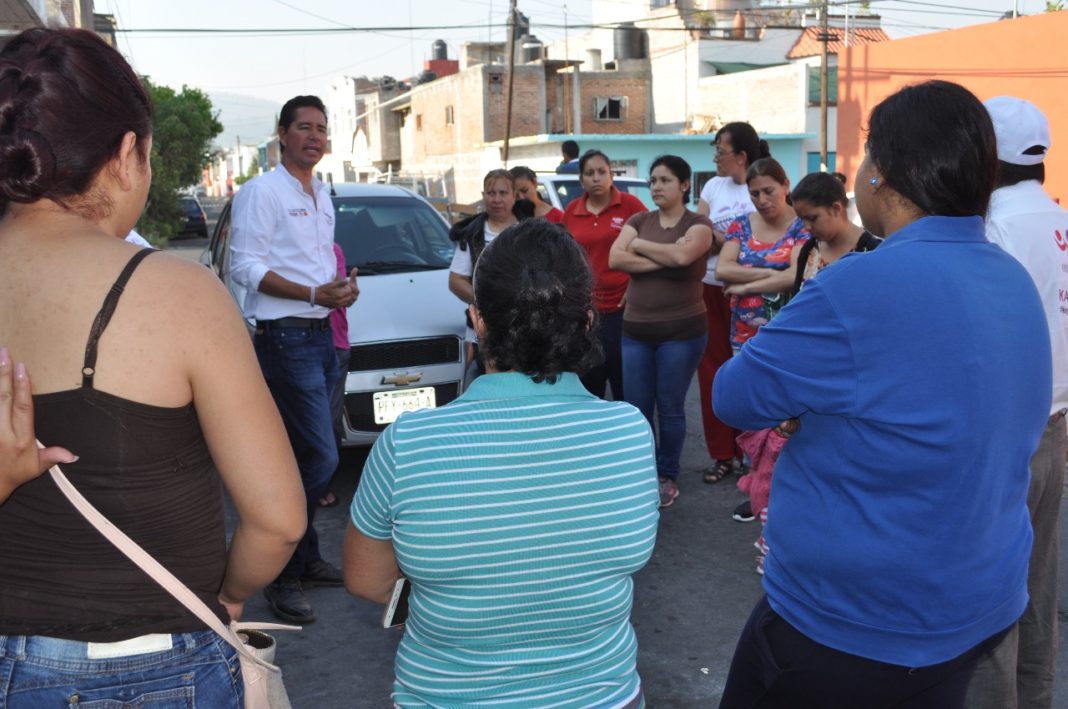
{"points": [[18, 15]]}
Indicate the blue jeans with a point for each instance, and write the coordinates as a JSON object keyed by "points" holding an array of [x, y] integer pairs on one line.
{"points": [[300, 366], [658, 375], [200, 670]]}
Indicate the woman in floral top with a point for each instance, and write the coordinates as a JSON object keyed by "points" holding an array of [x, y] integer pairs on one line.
{"points": [[759, 260]]}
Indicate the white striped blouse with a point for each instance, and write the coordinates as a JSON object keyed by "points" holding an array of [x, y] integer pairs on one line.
{"points": [[519, 512]]}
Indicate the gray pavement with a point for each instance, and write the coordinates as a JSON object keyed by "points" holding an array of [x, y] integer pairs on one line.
{"points": [[690, 604]]}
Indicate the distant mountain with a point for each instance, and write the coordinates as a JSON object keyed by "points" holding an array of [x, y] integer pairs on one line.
{"points": [[250, 118]]}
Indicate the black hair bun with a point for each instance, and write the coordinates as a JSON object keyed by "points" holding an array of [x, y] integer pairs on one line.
{"points": [[24, 163]]}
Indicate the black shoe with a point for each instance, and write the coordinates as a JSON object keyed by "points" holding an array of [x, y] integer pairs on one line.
{"points": [[321, 573], [743, 512], [287, 600]]}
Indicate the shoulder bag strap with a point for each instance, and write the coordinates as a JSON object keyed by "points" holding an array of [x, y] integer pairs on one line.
{"points": [[170, 583]]}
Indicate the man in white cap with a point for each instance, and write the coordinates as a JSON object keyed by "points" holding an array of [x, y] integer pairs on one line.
{"points": [[1030, 226]]}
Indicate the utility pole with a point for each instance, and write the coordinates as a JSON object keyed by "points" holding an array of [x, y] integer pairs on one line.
{"points": [[567, 58], [824, 38], [512, 22]]}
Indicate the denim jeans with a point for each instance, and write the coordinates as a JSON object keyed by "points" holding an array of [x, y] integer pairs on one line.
{"points": [[200, 670], [300, 366], [658, 374]]}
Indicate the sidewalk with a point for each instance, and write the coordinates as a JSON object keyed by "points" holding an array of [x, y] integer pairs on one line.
{"points": [[690, 604]]}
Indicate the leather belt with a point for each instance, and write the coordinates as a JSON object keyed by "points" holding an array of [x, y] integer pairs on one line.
{"points": [[306, 323]]}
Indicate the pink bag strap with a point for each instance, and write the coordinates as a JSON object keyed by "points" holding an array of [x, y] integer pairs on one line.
{"points": [[170, 583]]}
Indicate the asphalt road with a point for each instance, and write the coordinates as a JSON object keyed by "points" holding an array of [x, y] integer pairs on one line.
{"points": [[690, 604]]}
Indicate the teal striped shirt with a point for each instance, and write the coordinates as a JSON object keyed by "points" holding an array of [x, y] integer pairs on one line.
{"points": [[519, 512]]}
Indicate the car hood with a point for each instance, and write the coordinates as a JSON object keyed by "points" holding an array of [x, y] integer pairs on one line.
{"points": [[403, 306]]}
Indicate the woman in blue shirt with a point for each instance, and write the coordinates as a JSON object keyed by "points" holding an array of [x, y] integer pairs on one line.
{"points": [[920, 373]]}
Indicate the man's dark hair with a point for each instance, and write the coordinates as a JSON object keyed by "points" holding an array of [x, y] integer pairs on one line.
{"points": [[1010, 174], [289, 109], [534, 290], [569, 149], [934, 145]]}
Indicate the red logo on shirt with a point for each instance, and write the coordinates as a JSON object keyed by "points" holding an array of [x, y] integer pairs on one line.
{"points": [[1061, 239]]}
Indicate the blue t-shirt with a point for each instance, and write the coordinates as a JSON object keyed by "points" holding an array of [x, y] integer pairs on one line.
{"points": [[920, 372], [519, 512]]}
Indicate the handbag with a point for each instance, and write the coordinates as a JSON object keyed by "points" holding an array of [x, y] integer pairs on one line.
{"points": [[262, 679]]}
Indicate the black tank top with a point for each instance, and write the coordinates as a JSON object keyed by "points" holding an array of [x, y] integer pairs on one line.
{"points": [[147, 468]]}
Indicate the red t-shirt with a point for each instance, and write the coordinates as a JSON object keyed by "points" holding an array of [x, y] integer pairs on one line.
{"points": [[596, 233]]}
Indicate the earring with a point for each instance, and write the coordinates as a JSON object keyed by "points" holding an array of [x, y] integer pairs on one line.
{"points": [[873, 181]]}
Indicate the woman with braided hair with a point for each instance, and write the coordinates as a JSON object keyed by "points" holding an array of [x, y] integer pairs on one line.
{"points": [[519, 511]]}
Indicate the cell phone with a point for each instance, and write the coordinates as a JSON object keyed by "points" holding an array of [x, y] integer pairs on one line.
{"points": [[396, 612]]}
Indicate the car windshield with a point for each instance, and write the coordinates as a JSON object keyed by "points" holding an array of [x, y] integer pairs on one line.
{"points": [[391, 234], [571, 189]]}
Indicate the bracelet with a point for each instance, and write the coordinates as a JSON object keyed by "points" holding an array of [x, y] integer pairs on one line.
{"points": [[311, 296]]}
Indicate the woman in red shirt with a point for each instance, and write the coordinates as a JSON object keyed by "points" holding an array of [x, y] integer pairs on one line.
{"points": [[595, 220]]}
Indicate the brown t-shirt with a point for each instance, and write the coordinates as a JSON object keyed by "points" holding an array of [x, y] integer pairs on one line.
{"points": [[666, 304]]}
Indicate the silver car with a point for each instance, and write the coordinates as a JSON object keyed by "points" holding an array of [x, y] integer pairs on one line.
{"points": [[406, 329]]}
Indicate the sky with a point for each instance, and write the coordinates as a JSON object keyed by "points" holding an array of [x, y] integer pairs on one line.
{"points": [[249, 71]]}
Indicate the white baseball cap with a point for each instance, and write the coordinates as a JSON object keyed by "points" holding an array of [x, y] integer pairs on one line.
{"points": [[1020, 127]]}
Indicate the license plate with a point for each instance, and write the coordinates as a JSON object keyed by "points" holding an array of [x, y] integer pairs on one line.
{"points": [[391, 404]]}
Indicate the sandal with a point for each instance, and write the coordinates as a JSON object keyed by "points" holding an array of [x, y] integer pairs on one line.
{"points": [[328, 500], [720, 470]]}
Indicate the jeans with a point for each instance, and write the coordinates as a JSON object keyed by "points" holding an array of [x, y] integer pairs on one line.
{"points": [[658, 375], [775, 666], [1019, 671], [609, 372], [200, 670], [300, 366]]}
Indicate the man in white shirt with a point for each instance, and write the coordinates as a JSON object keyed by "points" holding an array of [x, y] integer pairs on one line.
{"points": [[282, 252], [1025, 222]]}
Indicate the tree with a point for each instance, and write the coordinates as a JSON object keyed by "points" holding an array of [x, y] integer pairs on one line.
{"points": [[184, 126], [252, 171]]}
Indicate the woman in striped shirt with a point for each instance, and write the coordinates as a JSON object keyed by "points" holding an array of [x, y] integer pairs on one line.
{"points": [[520, 511]]}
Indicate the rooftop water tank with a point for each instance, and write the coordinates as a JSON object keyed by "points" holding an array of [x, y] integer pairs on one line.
{"points": [[629, 42]]}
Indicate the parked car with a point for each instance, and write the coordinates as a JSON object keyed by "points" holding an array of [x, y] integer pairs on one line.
{"points": [[193, 220], [406, 329], [559, 190]]}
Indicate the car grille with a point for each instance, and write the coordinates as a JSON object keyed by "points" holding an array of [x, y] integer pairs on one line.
{"points": [[404, 354], [360, 409]]}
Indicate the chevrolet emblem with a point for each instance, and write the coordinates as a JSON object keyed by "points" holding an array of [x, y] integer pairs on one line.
{"points": [[403, 380]]}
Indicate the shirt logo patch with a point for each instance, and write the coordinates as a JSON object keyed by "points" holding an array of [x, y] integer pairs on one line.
{"points": [[329, 219], [617, 223], [1061, 239], [298, 212]]}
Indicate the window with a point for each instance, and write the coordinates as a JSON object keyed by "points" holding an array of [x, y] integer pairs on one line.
{"points": [[609, 108], [814, 86], [813, 161], [450, 116]]}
